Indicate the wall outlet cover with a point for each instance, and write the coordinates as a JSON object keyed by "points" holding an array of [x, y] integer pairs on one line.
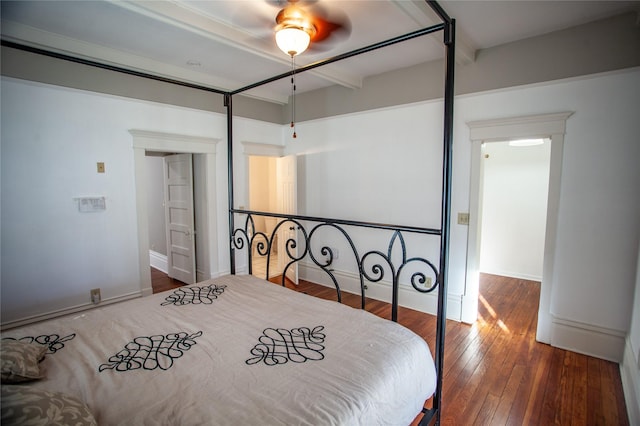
{"points": [[95, 296]]}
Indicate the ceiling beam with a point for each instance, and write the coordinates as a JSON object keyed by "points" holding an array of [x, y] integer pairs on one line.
{"points": [[34, 37], [180, 15], [419, 11]]}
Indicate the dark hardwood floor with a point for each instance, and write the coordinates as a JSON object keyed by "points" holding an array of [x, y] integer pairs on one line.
{"points": [[162, 282], [495, 373]]}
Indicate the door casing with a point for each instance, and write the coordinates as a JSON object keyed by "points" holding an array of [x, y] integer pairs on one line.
{"points": [[143, 141]]}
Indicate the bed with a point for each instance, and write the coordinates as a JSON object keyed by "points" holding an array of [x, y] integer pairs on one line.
{"points": [[238, 349], [234, 359]]}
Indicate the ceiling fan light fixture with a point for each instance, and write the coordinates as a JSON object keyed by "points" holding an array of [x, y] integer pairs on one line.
{"points": [[292, 40]]}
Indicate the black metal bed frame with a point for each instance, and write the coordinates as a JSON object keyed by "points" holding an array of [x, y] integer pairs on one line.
{"points": [[248, 238]]}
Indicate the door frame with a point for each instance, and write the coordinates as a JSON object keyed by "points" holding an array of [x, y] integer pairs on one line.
{"points": [[551, 126], [144, 140]]}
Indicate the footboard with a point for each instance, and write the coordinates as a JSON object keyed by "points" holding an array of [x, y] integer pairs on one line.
{"points": [[368, 252]]}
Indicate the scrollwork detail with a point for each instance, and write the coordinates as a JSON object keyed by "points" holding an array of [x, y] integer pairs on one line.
{"points": [[419, 278], [239, 239], [377, 269]]}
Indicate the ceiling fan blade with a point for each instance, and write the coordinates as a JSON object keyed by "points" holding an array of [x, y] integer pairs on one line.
{"points": [[326, 29], [331, 28]]}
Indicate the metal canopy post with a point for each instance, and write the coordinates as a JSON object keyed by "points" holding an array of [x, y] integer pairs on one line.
{"points": [[228, 103], [441, 321]]}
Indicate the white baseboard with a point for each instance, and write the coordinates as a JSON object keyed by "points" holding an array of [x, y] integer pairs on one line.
{"points": [[203, 276], [67, 311], [630, 375], [221, 273], [511, 274], [407, 296], [158, 261], [588, 339]]}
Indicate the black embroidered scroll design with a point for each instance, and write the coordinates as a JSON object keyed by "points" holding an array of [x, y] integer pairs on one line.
{"points": [[151, 352], [279, 346], [194, 295], [53, 342]]}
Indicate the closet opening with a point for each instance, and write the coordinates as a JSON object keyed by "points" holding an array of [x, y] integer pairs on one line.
{"points": [[549, 127], [512, 217]]}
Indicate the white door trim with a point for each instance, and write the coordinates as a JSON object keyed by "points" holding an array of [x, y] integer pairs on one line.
{"points": [[144, 140], [550, 126], [287, 193]]}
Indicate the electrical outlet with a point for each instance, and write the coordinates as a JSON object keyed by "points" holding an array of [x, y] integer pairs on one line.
{"points": [[463, 218], [95, 296]]}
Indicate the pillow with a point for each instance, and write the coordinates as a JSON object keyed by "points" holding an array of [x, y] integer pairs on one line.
{"points": [[24, 404], [19, 361]]}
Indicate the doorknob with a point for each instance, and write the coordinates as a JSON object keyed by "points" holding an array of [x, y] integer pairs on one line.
{"points": [[291, 228]]}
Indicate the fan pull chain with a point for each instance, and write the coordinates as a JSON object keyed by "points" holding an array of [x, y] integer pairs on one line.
{"points": [[293, 95]]}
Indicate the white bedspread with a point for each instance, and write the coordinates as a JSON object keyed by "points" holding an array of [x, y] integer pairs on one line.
{"points": [[215, 364]]}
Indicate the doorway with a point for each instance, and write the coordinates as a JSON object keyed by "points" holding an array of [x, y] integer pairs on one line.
{"points": [[513, 205], [273, 189], [551, 127], [176, 214], [514, 183], [148, 141], [263, 197], [281, 180]]}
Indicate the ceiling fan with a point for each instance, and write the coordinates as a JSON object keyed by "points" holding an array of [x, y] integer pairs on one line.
{"points": [[303, 24], [299, 27]]}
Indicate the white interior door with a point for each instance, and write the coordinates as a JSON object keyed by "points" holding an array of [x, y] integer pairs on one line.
{"points": [[287, 192], [178, 201]]}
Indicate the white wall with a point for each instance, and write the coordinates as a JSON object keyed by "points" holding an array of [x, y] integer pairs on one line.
{"points": [[383, 166], [630, 367], [51, 140], [52, 137], [599, 205], [514, 209]]}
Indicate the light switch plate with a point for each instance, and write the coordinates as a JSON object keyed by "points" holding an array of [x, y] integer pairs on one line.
{"points": [[463, 218], [100, 167]]}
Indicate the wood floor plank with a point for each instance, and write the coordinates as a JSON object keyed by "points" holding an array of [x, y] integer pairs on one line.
{"points": [[487, 410], [610, 374], [508, 397], [579, 400], [564, 409], [595, 406]]}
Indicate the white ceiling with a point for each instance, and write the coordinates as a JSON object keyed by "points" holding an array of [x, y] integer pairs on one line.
{"points": [[228, 44]]}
